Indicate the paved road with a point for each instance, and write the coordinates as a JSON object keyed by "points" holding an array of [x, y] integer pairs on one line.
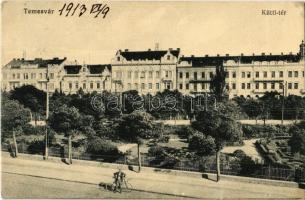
{"points": [[24, 186], [193, 186]]}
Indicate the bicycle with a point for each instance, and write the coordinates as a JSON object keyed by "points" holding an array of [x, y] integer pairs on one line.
{"points": [[125, 186]]}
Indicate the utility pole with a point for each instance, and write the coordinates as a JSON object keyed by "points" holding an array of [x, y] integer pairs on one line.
{"points": [[283, 102], [47, 116]]}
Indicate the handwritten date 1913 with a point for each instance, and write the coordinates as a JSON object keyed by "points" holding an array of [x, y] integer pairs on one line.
{"points": [[80, 9]]}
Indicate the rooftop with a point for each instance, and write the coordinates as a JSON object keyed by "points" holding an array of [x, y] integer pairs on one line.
{"points": [[217, 60], [43, 63], [148, 55]]}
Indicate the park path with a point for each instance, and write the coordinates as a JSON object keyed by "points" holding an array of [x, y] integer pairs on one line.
{"points": [[249, 149], [148, 180]]}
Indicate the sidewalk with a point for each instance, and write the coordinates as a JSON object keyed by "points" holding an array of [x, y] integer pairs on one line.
{"points": [[188, 186]]}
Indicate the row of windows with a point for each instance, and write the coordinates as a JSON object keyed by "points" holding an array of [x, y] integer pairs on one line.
{"points": [[195, 75], [143, 74], [205, 86], [273, 74], [38, 85], [84, 85], [29, 75], [267, 86], [144, 86], [202, 86], [149, 86]]}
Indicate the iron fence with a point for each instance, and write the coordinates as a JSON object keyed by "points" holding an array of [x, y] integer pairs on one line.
{"points": [[261, 171]]}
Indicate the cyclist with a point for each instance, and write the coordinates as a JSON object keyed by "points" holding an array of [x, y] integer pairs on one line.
{"points": [[119, 177]]}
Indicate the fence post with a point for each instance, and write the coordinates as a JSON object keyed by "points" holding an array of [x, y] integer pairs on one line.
{"points": [[15, 144]]}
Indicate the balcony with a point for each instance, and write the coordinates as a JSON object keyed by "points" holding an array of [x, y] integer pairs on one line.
{"points": [[199, 81]]}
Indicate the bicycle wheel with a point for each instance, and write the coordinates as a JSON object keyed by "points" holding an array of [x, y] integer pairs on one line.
{"points": [[112, 187], [128, 186]]}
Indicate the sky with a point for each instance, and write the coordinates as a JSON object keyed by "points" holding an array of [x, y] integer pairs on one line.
{"points": [[197, 28]]}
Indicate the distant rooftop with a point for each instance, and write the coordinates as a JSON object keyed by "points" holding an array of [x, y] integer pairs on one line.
{"points": [[93, 69], [98, 69], [149, 54], [217, 60], [43, 63]]}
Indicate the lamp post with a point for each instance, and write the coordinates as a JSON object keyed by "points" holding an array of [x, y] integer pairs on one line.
{"points": [[283, 102], [47, 116]]}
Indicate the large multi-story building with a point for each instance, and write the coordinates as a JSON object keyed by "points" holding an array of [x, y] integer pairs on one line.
{"points": [[248, 76], [148, 71], [87, 77], [57, 74], [37, 72], [152, 71]]}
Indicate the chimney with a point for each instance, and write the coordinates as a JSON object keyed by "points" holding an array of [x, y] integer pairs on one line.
{"points": [[157, 46], [253, 54], [270, 54], [55, 58], [206, 55], [217, 55], [282, 53], [290, 53], [192, 56], [242, 54], [263, 54], [170, 49], [227, 55], [149, 49], [178, 49], [126, 50]]}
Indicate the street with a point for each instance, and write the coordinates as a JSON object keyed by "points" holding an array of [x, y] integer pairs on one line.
{"points": [[24, 186], [54, 179]]}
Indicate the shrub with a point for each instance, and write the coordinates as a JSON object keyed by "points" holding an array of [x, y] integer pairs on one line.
{"points": [[29, 129], [36, 147], [186, 132], [102, 149]]}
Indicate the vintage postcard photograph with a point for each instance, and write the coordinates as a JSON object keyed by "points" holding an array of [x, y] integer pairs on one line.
{"points": [[152, 100]]}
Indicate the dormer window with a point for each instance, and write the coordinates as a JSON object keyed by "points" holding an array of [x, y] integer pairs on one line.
{"points": [[168, 57], [118, 58]]}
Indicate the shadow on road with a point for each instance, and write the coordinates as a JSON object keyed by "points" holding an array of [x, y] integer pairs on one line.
{"points": [[206, 176]]}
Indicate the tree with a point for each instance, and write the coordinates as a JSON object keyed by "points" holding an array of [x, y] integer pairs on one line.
{"points": [[220, 126], [202, 144], [253, 108], [294, 107], [13, 117], [129, 101], [30, 97], [66, 120], [218, 83], [297, 141], [135, 127]]}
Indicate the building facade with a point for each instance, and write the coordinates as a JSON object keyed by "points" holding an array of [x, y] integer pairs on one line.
{"points": [[248, 76], [153, 71], [37, 72], [148, 71], [57, 74], [89, 78]]}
